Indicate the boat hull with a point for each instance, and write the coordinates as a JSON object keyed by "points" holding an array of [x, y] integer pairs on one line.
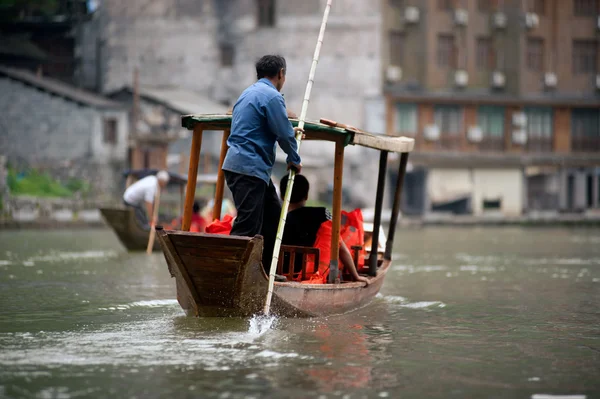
{"points": [[123, 223], [222, 276]]}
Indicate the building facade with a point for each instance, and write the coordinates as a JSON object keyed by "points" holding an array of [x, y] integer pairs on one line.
{"points": [[55, 127], [503, 100]]}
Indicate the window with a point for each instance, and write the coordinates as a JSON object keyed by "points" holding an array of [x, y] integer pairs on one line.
{"points": [[110, 131], [449, 119], [584, 56], [535, 54], [445, 51], [485, 53], [537, 6], [396, 48], [445, 5], [406, 119], [486, 5], [266, 12], [397, 3], [491, 121], [586, 8], [585, 130], [227, 52], [539, 129]]}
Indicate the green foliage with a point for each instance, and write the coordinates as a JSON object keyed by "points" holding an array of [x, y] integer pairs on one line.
{"points": [[39, 184]]}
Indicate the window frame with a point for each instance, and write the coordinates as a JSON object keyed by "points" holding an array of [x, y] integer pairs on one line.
{"points": [[535, 60], [410, 111], [110, 133], [446, 50], [584, 56], [484, 44], [586, 8], [266, 13], [397, 42]]}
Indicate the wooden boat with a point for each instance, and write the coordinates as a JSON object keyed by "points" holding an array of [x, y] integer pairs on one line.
{"points": [[222, 276], [132, 236], [122, 219]]}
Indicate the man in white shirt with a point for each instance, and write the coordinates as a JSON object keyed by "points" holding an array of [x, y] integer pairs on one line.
{"points": [[140, 196]]}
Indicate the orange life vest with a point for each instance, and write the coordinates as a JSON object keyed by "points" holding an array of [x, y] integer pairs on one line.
{"points": [[353, 233], [323, 243]]}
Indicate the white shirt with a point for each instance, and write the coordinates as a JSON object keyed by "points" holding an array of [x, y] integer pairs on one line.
{"points": [[141, 191]]}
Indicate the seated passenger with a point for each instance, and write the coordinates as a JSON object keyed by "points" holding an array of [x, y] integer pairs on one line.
{"points": [[303, 223]]}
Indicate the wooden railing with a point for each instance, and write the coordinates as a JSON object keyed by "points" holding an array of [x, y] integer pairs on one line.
{"points": [[585, 144], [535, 144]]}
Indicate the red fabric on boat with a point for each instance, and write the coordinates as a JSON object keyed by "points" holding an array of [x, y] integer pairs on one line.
{"points": [[221, 226]]}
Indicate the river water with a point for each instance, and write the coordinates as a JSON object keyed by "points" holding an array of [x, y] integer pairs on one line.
{"points": [[464, 313]]}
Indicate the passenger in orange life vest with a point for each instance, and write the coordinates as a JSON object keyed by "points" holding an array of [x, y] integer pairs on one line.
{"points": [[303, 223]]}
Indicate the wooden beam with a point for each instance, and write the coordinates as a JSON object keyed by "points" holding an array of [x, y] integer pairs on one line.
{"points": [[384, 143], [220, 178], [383, 156], [396, 206], [192, 176], [337, 212]]}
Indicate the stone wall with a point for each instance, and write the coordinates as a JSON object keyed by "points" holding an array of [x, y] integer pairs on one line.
{"points": [[53, 134]]}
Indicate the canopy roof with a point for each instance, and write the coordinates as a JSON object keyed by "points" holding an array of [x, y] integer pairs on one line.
{"points": [[174, 178], [314, 131]]}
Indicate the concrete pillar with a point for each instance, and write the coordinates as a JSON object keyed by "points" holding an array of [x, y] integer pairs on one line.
{"points": [[596, 189], [580, 200], [525, 193], [562, 187]]}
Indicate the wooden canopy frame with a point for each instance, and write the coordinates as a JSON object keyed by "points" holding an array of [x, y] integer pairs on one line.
{"points": [[342, 137]]}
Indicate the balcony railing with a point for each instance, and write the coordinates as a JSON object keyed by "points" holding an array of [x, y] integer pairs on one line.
{"points": [[585, 144], [539, 144], [492, 144]]}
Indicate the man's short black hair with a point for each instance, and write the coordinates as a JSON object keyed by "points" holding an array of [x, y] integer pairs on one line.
{"points": [[299, 191], [269, 66]]}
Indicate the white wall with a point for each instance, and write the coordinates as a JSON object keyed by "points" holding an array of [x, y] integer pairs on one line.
{"points": [[503, 184]]}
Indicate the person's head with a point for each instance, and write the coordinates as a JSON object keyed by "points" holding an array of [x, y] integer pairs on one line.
{"points": [[272, 67], [299, 191], [163, 178], [199, 204]]}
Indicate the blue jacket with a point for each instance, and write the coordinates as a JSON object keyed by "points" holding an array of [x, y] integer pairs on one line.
{"points": [[259, 121]]}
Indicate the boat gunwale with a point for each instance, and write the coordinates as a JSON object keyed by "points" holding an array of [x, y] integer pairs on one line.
{"points": [[381, 271]]}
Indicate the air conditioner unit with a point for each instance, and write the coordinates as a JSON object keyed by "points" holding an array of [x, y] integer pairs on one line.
{"points": [[519, 137], [532, 20], [432, 133], [461, 16], [598, 22], [393, 73], [499, 20], [598, 82], [498, 80], [412, 15], [550, 79], [461, 78], [519, 119], [475, 134]]}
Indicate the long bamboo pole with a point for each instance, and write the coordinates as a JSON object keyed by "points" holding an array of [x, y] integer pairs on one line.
{"points": [[152, 235], [288, 191]]}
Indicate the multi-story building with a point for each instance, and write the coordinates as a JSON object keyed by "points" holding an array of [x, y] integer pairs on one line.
{"points": [[503, 99]]}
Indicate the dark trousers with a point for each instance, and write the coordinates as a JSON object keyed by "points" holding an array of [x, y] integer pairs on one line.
{"points": [[140, 215], [258, 210]]}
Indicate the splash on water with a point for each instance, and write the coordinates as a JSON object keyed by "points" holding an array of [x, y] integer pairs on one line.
{"points": [[260, 324]]}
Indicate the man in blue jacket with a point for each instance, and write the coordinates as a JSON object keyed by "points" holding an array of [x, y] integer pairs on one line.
{"points": [[259, 121]]}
